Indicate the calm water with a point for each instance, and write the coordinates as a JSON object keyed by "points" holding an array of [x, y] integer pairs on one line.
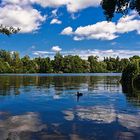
{"points": [[44, 107]]}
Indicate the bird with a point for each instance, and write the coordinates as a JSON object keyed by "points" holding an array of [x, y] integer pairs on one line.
{"points": [[79, 94]]}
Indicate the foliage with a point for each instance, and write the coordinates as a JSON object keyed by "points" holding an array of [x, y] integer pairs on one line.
{"points": [[11, 62], [96, 66], [111, 7], [130, 75], [8, 30], [136, 82]]}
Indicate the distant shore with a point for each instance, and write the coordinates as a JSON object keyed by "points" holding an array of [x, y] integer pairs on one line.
{"points": [[62, 74]]}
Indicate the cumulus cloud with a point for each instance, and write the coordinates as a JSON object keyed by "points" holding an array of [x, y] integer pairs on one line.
{"points": [[19, 2], [76, 5], [22, 14], [101, 30], [27, 18], [72, 5], [55, 21], [67, 31], [56, 49], [105, 30], [128, 24]]}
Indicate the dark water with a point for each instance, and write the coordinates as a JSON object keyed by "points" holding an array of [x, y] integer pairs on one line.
{"points": [[45, 107]]}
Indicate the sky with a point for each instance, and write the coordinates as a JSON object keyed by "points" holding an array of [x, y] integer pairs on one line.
{"points": [[71, 27]]}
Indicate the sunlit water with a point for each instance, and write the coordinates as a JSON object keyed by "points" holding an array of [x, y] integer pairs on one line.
{"points": [[45, 107]]}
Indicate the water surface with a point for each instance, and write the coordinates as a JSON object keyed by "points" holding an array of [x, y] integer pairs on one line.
{"points": [[45, 107]]}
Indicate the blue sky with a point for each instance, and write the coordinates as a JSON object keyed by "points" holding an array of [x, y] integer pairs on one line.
{"points": [[71, 27]]}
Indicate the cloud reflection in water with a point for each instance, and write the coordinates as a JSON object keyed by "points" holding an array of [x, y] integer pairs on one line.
{"points": [[104, 115], [13, 127]]}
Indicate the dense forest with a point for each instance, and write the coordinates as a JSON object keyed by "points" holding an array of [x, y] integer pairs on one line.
{"points": [[13, 63]]}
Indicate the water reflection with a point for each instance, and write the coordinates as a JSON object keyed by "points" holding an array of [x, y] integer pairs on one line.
{"points": [[13, 84], [78, 98], [132, 94], [104, 115], [20, 126], [46, 108]]}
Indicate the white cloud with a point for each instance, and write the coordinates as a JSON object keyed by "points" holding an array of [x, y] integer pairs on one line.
{"points": [[54, 12], [20, 13], [85, 53], [51, 3], [128, 24], [18, 2], [56, 49], [103, 53], [43, 54], [55, 21], [72, 5], [67, 31], [113, 43], [76, 5], [76, 38], [40, 52], [26, 18], [105, 30], [101, 30]]}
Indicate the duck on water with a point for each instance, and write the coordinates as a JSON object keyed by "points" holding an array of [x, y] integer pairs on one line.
{"points": [[79, 94]]}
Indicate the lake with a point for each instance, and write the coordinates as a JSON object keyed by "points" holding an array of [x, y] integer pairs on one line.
{"points": [[45, 107]]}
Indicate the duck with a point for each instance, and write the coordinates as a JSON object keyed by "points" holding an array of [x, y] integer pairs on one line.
{"points": [[79, 94]]}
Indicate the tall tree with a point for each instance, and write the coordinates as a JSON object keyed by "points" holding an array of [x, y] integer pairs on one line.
{"points": [[16, 62], [58, 63]]}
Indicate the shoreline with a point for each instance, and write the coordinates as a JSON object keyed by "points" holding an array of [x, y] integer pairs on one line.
{"points": [[62, 74]]}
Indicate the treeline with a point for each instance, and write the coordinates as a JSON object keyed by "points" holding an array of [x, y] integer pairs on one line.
{"points": [[13, 63], [131, 76]]}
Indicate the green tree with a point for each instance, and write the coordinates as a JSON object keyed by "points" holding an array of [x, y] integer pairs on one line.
{"points": [[5, 67], [58, 63], [111, 7], [28, 65], [74, 64], [44, 65], [95, 65], [124, 62], [128, 75], [6, 56], [16, 63], [8, 30]]}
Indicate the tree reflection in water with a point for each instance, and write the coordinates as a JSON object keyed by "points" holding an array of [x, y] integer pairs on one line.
{"points": [[13, 84], [132, 94]]}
